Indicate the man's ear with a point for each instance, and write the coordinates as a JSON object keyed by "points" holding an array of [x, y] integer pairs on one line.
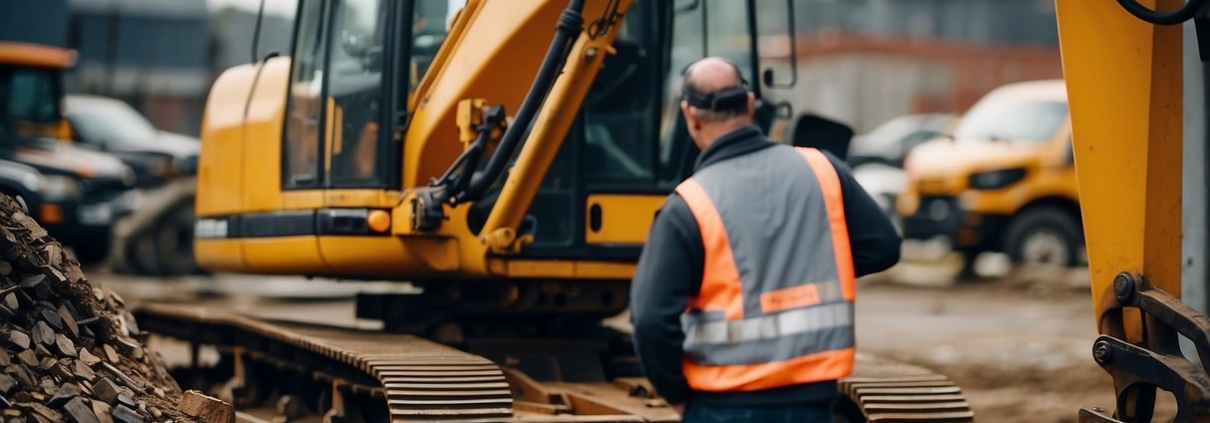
{"points": [[691, 120]]}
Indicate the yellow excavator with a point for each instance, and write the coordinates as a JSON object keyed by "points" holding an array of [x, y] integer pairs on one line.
{"points": [[507, 158]]}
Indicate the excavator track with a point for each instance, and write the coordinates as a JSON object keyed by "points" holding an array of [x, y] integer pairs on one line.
{"points": [[421, 380], [892, 392], [417, 378]]}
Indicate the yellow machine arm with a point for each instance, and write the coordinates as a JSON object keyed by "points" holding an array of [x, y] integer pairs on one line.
{"points": [[1122, 62]]}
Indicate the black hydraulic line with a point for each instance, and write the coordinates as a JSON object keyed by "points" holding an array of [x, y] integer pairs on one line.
{"points": [[570, 23], [260, 16], [1175, 17], [754, 51], [454, 182], [463, 179], [446, 177]]}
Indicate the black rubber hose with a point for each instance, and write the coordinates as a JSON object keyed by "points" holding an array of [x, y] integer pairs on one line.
{"points": [[570, 24], [1175, 17], [449, 173], [468, 168]]}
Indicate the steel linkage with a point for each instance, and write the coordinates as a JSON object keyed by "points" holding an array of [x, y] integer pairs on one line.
{"points": [[1138, 369]]}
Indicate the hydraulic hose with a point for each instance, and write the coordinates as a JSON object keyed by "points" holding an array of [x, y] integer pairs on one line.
{"points": [[1175, 17], [569, 26]]}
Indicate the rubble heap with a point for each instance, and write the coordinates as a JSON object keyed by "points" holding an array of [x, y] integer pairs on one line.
{"points": [[71, 353]]}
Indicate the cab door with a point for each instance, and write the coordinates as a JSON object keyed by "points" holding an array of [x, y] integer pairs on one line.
{"points": [[636, 146], [374, 60], [628, 148]]}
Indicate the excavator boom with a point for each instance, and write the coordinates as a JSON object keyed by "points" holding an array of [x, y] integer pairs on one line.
{"points": [[1122, 62]]}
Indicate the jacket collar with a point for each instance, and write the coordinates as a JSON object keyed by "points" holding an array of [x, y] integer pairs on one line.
{"points": [[733, 144]]}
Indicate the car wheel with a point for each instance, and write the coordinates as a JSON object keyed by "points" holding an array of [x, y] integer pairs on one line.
{"points": [[1044, 235], [173, 241], [142, 257]]}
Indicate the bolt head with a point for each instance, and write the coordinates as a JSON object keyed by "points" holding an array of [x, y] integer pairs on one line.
{"points": [[1101, 352], [1123, 285]]}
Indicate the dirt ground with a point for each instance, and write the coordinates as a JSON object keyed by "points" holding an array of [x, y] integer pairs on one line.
{"points": [[1020, 352], [1019, 344]]}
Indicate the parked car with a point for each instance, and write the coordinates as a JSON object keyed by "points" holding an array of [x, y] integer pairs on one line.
{"points": [[80, 195], [110, 125], [891, 141], [883, 183], [159, 239], [25, 184], [1005, 182]]}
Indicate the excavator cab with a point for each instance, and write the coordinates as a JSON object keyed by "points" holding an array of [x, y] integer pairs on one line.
{"points": [[411, 140]]}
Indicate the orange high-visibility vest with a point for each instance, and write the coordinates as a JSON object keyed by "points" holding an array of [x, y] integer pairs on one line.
{"points": [[776, 302]]}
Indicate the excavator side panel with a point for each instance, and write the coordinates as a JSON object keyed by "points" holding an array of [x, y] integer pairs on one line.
{"points": [[1124, 86]]}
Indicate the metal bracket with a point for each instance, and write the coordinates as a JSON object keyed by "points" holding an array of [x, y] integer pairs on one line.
{"points": [[427, 209], [505, 241], [1137, 370]]}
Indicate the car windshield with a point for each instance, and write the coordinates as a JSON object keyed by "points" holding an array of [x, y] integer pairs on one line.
{"points": [[896, 128], [110, 123], [1004, 119]]}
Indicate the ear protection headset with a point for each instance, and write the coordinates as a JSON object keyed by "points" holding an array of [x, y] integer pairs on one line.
{"points": [[733, 98]]}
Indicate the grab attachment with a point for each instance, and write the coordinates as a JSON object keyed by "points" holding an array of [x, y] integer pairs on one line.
{"points": [[1138, 369]]}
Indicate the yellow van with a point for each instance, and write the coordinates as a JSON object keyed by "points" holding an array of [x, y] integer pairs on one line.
{"points": [[1004, 181]]}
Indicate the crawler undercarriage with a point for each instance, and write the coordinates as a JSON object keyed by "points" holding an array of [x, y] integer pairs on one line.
{"points": [[309, 372]]}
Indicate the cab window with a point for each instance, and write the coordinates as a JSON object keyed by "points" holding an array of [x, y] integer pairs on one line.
{"points": [[621, 119], [700, 28], [345, 96], [304, 111], [28, 96], [618, 114], [355, 87]]}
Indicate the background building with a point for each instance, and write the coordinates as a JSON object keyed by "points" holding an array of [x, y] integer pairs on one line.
{"points": [[859, 61]]}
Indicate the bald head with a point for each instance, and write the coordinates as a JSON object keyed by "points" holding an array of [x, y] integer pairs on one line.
{"points": [[711, 74], [715, 99]]}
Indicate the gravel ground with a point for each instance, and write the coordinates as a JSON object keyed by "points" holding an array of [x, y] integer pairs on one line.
{"points": [[70, 351]]}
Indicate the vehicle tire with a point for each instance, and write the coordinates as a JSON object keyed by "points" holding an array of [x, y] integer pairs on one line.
{"points": [[1044, 235], [141, 255], [173, 240]]}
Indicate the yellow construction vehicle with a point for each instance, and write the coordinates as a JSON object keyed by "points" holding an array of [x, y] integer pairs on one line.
{"points": [[1004, 181], [513, 183], [44, 62]]}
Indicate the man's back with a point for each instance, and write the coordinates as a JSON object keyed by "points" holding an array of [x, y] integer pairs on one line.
{"points": [[773, 184], [782, 207], [744, 293]]}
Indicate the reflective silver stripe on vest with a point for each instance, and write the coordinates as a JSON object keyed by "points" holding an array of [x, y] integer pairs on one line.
{"points": [[709, 340], [772, 350], [704, 329]]}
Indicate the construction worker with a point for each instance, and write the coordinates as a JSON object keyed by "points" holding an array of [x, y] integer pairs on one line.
{"points": [[742, 302]]}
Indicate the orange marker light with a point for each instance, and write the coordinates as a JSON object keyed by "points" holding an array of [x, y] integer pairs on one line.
{"points": [[379, 221], [51, 213]]}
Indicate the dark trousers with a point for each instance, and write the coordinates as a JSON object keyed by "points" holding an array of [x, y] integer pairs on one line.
{"points": [[700, 412]]}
